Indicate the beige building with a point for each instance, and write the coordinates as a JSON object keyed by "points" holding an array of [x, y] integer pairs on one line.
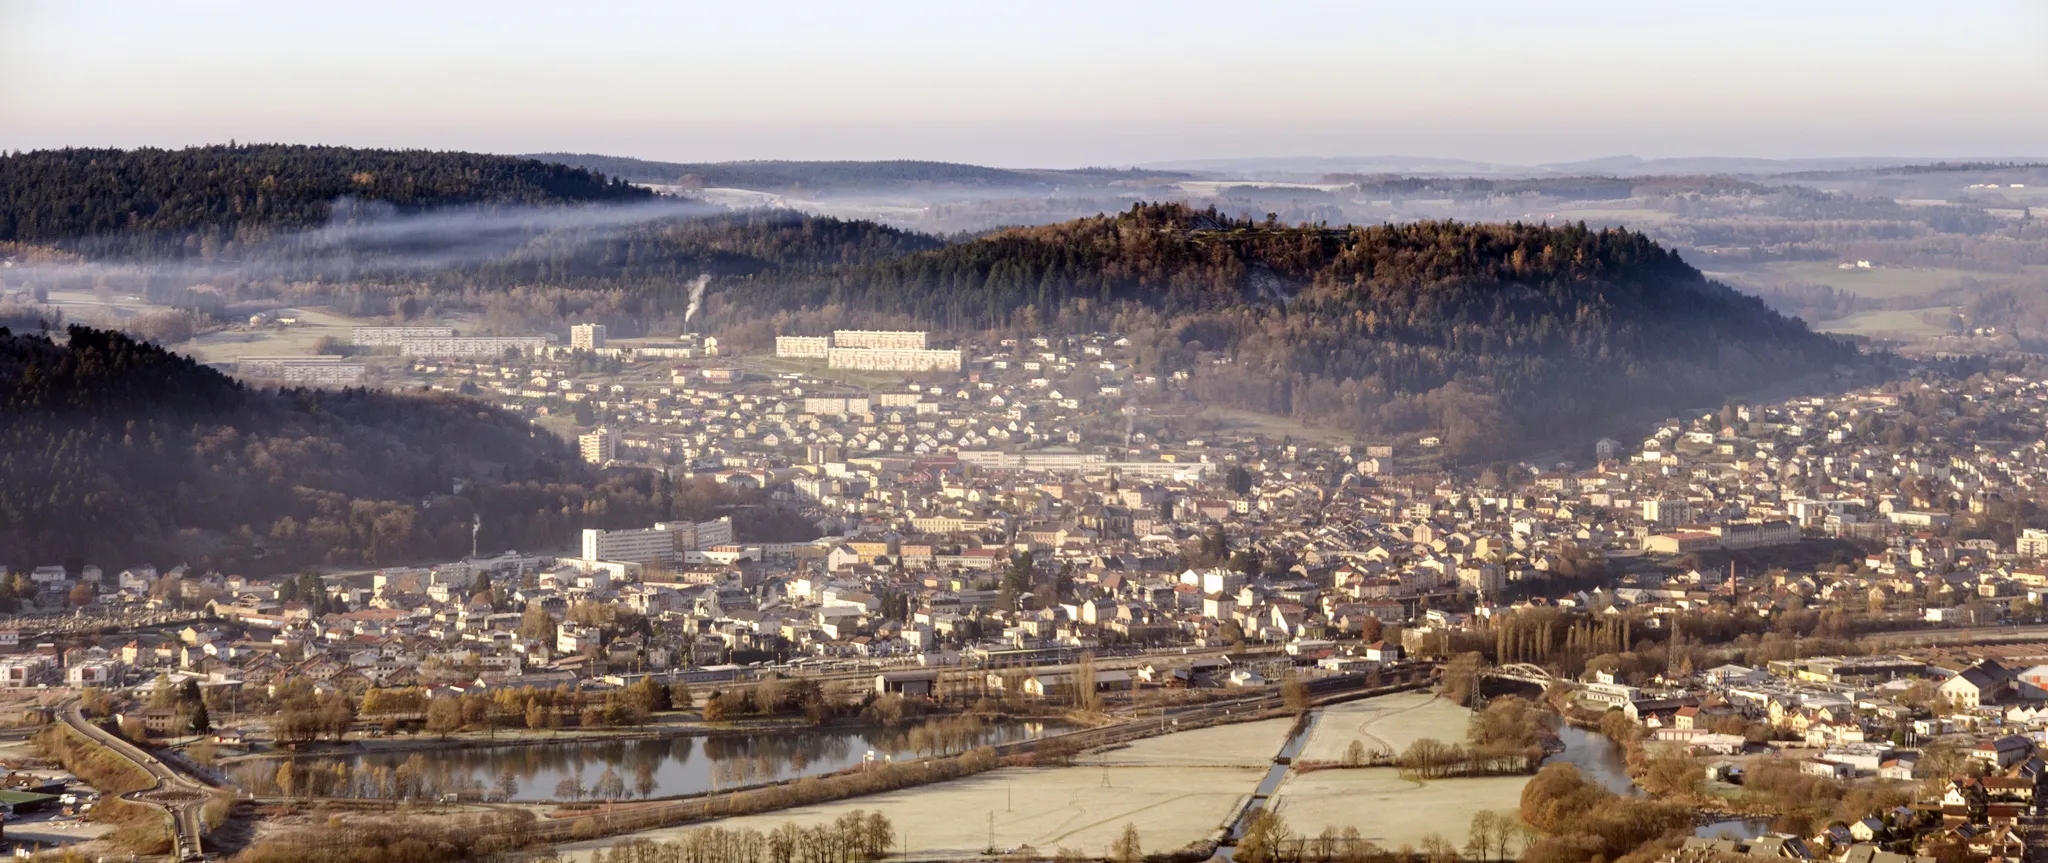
{"points": [[802, 347], [894, 359], [889, 339], [393, 336], [598, 447], [586, 337]]}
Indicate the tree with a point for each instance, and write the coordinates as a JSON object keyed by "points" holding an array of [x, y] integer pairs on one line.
{"points": [[82, 594], [444, 715], [1125, 848], [1294, 692], [201, 723], [1086, 698]]}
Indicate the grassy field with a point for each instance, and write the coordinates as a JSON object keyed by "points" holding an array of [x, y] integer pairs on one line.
{"points": [[1888, 324], [1387, 723], [1878, 283], [1390, 811]]}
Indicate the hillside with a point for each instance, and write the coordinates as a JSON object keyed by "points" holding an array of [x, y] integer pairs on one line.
{"points": [[1496, 333], [117, 452], [209, 201]]}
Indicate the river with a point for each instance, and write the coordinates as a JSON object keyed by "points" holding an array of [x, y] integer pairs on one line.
{"points": [[1598, 758], [618, 770]]}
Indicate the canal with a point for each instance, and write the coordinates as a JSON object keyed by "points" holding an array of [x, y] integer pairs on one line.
{"points": [[619, 769]]}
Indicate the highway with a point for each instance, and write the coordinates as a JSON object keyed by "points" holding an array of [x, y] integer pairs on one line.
{"points": [[178, 795]]}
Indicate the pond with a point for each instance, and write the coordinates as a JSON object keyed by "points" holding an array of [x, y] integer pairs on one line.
{"points": [[619, 769], [1737, 828]]}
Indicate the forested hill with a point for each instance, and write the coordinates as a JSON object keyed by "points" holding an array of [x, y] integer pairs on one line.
{"points": [[117, 452], [1492, 332], [203, 200], [822, 177]]}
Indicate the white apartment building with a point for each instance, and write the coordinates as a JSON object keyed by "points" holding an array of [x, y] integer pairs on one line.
{"points": [[802, 347], [1667, 512], [598, 447], [586, 337], [836, 405], [665, 541], [317, 370], [472, 346], [890, 339], [391, 336], [895, 359], [2033, 542]]}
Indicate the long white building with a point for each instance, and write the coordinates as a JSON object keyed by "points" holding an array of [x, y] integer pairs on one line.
{"points": [[391, 336], [472, 346], [894, 339], [318, 370], [665, 541], [895, 359], [802, 347]]}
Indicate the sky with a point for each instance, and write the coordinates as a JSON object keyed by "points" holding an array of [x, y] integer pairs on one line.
{"points": [[1039, 84]]}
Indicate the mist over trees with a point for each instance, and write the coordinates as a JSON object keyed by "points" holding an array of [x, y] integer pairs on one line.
{"points": [[177, 463], [207, 202]]}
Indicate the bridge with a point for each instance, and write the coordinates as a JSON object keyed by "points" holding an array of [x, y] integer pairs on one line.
{"points": [[1523, 672]]}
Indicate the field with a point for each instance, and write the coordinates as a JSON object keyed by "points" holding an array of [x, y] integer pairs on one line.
{"points": [[1911, 324], [1082, 807], [1386, 723], [1877, 283], [1177, 789], [1390, 811]]}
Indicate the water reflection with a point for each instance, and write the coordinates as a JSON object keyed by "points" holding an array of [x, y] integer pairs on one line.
{"points": [[1598, 759], [617, 769]]}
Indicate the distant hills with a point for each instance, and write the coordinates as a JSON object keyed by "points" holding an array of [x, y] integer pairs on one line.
{"points": [[1502, 335], [1309, 168], [823, 177], [208, 201]]}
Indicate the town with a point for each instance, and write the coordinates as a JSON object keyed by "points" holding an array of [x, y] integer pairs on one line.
{"points": [[1843, 588]]}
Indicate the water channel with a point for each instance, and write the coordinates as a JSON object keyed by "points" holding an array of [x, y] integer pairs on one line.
{"points": [[618, 770]]}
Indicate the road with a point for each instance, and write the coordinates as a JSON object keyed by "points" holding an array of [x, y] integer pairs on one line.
{"points": [[181, 796]]}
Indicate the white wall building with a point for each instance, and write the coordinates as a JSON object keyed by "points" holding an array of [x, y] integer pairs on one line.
{"points": [[391, 336], [586, 337]]}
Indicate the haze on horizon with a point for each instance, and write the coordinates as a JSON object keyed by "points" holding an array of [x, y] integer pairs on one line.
{"points": [[1052, 84]]}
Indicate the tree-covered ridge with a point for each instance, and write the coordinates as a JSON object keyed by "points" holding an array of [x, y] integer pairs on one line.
{"points": [[785, 176], [200, 200], [1492, 332], [118, 452]]}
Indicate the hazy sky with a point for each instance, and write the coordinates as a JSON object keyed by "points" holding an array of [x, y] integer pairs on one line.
{"points": [[1042, 83]]}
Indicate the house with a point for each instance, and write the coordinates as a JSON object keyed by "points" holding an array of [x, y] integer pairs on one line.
{"points": [[1978, 685], [1381, 651], [2003, 752]]}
